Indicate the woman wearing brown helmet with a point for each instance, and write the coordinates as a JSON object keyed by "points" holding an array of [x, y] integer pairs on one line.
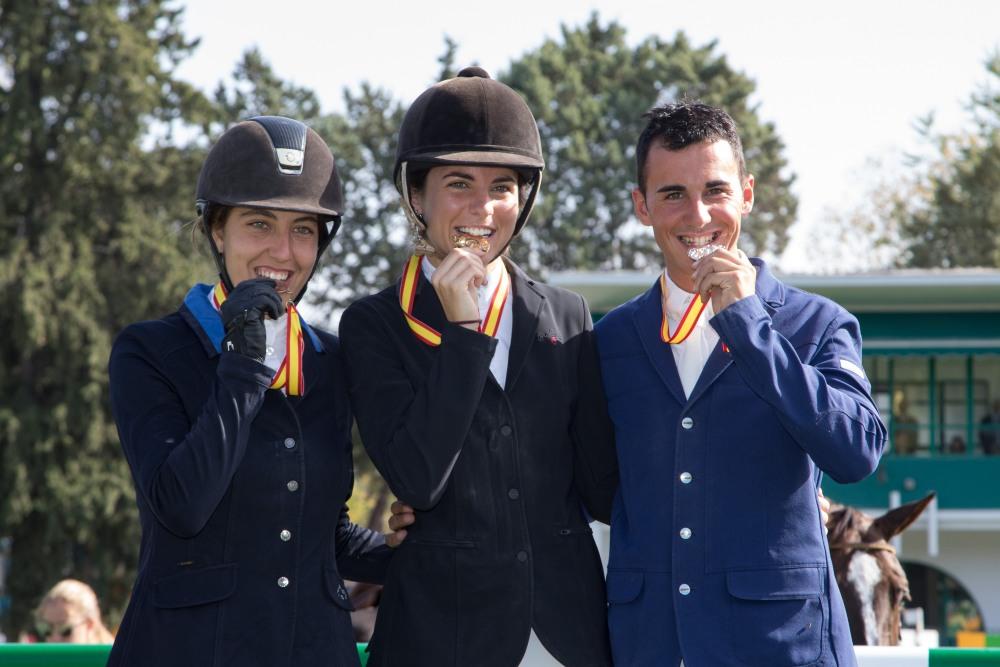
{"points": [[478, 396], [234, 418]]}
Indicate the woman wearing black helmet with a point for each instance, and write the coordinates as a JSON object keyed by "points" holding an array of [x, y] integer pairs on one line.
{"points": [[234, 418], [478, 396]]}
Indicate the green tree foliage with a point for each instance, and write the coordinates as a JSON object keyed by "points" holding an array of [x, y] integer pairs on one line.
{"points": [[88, 242], [955, 218], [588, 91]]}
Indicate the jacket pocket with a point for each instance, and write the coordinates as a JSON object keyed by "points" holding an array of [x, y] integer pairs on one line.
{"points": [[441, 541], [336, 590], [624, 586], [195, 587], [785, 584], [779, 616]]}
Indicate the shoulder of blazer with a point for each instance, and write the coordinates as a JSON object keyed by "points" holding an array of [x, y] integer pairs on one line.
{"points": [[164, 337]]}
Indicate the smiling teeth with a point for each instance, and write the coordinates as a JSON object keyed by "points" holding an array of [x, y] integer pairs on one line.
{"points": [[475, 231], [273, 275]]}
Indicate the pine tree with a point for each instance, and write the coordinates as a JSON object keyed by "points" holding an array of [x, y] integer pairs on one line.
{"points": [[89, 241]]}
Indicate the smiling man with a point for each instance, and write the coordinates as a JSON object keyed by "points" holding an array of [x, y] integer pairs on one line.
{"points": [[731, 393]]}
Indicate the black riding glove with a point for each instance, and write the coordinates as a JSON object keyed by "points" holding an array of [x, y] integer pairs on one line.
{"points": [[243, 314]]}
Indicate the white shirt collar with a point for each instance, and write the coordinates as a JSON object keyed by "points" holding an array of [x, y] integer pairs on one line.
{"points": [[677, 300]]}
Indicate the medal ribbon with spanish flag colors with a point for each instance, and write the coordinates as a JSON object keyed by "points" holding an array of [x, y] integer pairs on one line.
{"points": [[688, 319], [427, 334], [289, 374]]}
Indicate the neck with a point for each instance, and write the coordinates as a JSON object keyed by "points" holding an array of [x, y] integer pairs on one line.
{"points": [[435, 261], [683, 280]]}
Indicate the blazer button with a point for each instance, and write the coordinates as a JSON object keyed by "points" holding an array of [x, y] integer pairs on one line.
{"points": [[293, 485], [684, 589], [506, 430], [522, 556], [687, 423], [685, 533], [685, 478], [289, 443], [285, 535], [513, 494], [282, 582]]}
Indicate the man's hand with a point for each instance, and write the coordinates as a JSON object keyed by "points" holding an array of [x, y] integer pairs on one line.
{"points": [[455, 280], [402, 516], [726, 275], [824, 509]]}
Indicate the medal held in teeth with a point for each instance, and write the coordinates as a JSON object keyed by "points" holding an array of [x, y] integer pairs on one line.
{"points": [[478, 242], [703, 251]]}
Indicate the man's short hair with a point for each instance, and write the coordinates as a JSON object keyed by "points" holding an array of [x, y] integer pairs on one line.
{"points": [[681, 124]]}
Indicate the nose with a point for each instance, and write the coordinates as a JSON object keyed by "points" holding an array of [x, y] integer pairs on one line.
{"points": [[281, 245], [481, 203], [702, 212]]}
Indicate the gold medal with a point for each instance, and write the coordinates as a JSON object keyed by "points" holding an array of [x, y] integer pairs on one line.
{"points": [[478, 242]]}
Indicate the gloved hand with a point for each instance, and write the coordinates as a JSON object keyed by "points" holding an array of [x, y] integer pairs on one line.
{"points": [[243, 314]]}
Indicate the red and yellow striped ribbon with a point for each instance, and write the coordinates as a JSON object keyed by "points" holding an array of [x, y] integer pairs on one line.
{"points": [[688, 319], [289, 374], [431, 336]]}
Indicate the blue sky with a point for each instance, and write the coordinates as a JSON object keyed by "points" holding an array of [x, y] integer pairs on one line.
{"points": [[843, 82]]}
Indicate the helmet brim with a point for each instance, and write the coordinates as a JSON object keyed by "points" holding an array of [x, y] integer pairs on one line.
{"points": [[479, 158]]}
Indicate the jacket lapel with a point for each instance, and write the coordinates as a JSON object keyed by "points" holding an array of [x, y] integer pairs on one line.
{"points": [[648, 317], [526, 309], [717, 362], [771, 294]]}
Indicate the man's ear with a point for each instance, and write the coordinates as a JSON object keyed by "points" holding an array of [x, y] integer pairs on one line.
{"points": [[639, 204], [748, 195]]}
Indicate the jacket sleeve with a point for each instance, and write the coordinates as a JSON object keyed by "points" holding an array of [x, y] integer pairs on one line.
{"points": [[182, 470], [413, 428], [824, 402], [362, 554], [595, 461]]}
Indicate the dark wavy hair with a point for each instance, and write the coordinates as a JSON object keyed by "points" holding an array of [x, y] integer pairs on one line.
{"points": [[681, 124]]}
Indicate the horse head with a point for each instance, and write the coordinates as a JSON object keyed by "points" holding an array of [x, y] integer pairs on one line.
{"points": [[871, 580]]}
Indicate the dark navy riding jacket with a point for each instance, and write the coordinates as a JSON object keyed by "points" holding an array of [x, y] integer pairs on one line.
{"points": [[241, 492], [717, 545]]}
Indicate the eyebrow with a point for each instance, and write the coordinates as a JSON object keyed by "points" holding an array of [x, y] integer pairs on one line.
{"points": [[266, 213], [470, 177], [671, 188]]}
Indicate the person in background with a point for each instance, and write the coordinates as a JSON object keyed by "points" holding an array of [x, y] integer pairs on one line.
{"points": [[69, 614], [989, 431], [234, 418]]}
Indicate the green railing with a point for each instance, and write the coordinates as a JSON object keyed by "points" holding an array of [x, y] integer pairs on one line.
{"points": [[73, 655]]}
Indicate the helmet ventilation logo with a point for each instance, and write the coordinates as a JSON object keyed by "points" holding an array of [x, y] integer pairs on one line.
{"points": [[290, 160]]}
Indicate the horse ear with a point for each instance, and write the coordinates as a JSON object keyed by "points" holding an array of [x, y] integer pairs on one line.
{"points": [[897, 520]]}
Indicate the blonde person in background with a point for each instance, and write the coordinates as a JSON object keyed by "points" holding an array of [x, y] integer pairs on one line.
{"points": [[69, 614]]}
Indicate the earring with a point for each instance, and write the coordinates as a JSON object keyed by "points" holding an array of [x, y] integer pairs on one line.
{"points": [[421, 246]]}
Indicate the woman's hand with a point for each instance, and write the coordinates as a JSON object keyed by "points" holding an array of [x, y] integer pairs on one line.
{"points": [[243, 314], [455, 280], [402, 516]]}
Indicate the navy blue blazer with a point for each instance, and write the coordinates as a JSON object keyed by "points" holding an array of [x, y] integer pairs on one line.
{"points": [[241, 494], [717, 546]]}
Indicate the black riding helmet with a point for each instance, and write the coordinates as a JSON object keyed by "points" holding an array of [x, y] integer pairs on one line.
{"points": [[471, 119], [271, 162]]}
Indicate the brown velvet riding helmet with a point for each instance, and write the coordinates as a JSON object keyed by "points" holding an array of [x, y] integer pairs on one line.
{"points": [[271, 162], [475, 120]]}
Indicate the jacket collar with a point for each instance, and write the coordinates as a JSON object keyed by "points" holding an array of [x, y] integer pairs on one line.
{"points": [[527, 325], [199, 314]]}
